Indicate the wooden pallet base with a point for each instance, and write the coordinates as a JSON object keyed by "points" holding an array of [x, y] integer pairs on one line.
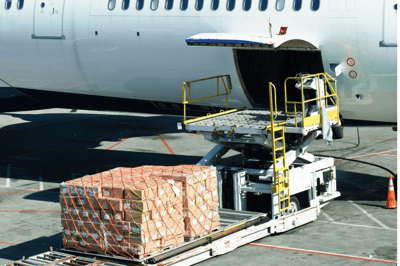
{"points": [[96, 251], [140, 255], [89, 250]]}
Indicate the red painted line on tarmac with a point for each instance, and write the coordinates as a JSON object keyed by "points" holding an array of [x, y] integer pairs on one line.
{"points": [[198, 134], [19, 245], [323, 253], [34, 211], [116, 144], [367, 155], [20, 192], [109, 148], [166, 145], [390, 153]]}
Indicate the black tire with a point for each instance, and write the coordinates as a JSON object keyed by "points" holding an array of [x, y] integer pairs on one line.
{"points": [[294, 205], [293, 199], [337, 132]]}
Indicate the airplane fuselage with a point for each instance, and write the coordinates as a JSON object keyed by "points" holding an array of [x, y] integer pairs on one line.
{"points": [[83, 48]]}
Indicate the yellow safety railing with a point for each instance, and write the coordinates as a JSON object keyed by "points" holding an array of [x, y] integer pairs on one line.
{"points": [[226, 90], [272, 100], [280, 183], [316, 119], [271, 103]]}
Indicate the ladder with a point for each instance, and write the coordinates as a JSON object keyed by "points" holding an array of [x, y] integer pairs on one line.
{"points": [[280, 183]]}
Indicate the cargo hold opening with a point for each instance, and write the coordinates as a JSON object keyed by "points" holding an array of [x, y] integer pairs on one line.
{"points": [[259, 67]]}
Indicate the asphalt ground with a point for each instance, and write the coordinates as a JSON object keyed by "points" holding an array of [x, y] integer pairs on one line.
{"points": [[40, 149]]}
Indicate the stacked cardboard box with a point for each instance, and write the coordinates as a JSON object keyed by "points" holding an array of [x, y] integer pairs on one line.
{"points": [[139, 211], [123, 211], [200, 197]]}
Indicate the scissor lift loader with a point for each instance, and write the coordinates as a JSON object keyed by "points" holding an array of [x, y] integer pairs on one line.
{"points": [[280, 174]]}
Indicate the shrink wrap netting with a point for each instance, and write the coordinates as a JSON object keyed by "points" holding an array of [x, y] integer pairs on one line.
{"points": [[135, 212]]}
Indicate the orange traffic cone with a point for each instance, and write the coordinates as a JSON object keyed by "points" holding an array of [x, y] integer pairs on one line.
{"points": [[391, 198]]}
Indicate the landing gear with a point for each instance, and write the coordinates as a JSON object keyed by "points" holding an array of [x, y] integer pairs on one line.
{"points": [[337, 132]]}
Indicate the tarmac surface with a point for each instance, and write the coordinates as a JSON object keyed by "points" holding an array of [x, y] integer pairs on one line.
{"points": [[40, 149]]}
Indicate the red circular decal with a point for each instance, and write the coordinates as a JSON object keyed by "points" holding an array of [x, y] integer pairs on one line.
{"points": [[351, 61], [353, 74]]}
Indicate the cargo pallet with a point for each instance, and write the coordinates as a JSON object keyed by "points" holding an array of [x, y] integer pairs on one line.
{"points": [[287, 175]]}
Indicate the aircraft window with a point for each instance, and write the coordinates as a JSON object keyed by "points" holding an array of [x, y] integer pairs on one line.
{"points": [[169, 4], [125, 4], [395, 7], [154, 5], [315, 5], [139, 4], [246, 5], [20, 4], [280, 5], [263, 5], [214, 4], [297, 5], [230, 5], [199, 4], [111, 4], [184, 4], [8, 4]]}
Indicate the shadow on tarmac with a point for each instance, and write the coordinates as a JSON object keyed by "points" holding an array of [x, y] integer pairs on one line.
{"points": [[44, 195], [59, 145], [65, 145], [356, 186], [31, 248]]}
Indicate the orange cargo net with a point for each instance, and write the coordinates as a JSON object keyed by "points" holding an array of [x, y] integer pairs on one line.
{"points": [[135, 212]]}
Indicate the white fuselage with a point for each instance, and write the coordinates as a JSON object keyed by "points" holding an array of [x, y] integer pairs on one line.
{"points": [[152, 66]]}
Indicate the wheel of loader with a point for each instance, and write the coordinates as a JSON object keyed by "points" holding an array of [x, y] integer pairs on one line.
{"points": [[294, 205]]}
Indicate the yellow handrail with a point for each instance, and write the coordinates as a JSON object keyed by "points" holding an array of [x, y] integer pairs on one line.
{"points": [[271, 108], [327, 82], [272, 86], [187, 84]]}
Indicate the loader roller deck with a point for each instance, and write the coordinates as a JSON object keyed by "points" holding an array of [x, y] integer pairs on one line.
{"points": [[228, 219], [301, 117], [238, 228], [251, 121]]}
